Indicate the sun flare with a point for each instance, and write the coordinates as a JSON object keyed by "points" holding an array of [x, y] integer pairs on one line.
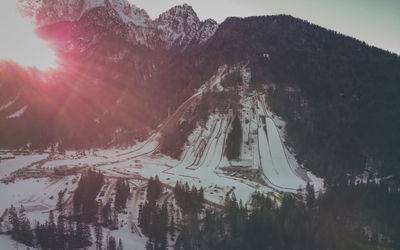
{"points": [[19, 41]]}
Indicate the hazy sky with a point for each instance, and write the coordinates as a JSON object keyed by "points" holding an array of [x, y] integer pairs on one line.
{"points": [[18, 41], [376, 22]]}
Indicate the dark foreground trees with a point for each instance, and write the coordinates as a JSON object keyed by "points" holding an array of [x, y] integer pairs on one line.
{"points": [[121, 195], [84, 201], [153, 219], [189, 200], [345, 217], [63, 234], [363, 216], [67, 232]]}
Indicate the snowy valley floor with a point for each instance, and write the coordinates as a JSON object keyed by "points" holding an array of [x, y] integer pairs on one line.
{"points": [[266, 165]]}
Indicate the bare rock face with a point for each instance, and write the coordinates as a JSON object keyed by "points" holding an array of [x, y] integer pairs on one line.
{"points": [[178, 28], [48, 12]]}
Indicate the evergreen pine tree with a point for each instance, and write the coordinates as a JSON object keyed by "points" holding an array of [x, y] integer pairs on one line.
{"points": [[209, 230], [172, 226], [61, 231], [26, 234], [163, 226], [70, 230], [112, 244], [120, 246], [310, 198], [79, 234], [51, 223], [60, 204], [106, 213], [87, 234], [13, 218], [51, 230], [99, 236], [115, 219], [149, 245]]}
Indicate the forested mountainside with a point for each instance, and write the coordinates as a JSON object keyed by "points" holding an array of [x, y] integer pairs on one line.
{"points": [[245, 112], [111, 88], [337, 94]]}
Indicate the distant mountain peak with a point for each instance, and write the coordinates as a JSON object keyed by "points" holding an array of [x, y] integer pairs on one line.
{"points": [[181, 27], [49, 12], [130, 13], [181, 9], [178, 28]]}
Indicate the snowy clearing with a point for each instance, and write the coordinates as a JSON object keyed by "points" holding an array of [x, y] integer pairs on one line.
{"points": [[12, 163]]}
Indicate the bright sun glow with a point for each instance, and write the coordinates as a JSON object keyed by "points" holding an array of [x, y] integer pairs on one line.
{"points": [[18, 41]]}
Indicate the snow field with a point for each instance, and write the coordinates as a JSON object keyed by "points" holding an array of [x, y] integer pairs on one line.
{"points": [[7, 166], [38, 196]]}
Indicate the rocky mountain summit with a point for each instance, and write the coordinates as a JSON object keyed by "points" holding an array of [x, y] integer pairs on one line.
{"points": [[177, 28]]}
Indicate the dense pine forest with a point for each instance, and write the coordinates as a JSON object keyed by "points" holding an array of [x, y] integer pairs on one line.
{"points": [[337, 94], [63, 230], [346, 216]]}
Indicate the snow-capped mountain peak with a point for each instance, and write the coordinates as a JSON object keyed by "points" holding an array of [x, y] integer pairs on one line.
{"points": [[177, 28], [130, 13], [50, 12], [181, 27], [185, 11]]}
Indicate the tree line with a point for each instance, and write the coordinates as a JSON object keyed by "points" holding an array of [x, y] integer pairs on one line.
{"points": [[346, 216], [153, 219], [63, 234], [71, 231], [84, 200]]}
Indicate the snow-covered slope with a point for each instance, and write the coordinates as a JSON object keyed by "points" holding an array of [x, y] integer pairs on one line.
{"points": [[266, 165], [8, 104], [18, 113]]}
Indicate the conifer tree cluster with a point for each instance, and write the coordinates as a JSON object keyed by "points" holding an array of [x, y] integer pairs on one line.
{"points": [[63, 234], [300, 221], [112, 243], [122, 194], [153, 219], [109, 216], [190, 200], [21, 226], [84, 201], [154, 188]]}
